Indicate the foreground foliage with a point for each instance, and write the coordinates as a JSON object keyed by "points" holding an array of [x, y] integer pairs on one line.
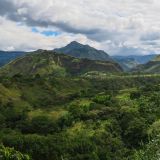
{"points": [[11, 154], [79, 118]]}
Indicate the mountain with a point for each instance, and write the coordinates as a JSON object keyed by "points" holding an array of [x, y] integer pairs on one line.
{"points": [[152, 66], [132, 61], [6, 57], [50, 63], [78, 50]]}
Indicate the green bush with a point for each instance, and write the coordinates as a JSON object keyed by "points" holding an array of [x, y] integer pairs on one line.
{"points": [[7, 153]]}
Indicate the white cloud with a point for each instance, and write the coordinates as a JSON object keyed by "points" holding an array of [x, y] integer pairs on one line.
{"points": [[17, 37], [115, 26]]}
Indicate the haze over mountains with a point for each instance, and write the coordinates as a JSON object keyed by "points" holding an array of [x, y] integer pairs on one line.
{"points": [[132, 61], [6, 57], [76, 49], [152, 66]]}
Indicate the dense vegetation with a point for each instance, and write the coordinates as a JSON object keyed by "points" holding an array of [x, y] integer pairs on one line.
{"points": [[50, 63], [57, 107], [7, 153], [75, 118]]}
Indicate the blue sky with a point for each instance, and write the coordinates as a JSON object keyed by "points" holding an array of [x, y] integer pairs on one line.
{"points": [[47, 33]]}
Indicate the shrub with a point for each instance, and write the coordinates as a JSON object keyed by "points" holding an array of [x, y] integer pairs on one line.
{"points": [[7, 153]]}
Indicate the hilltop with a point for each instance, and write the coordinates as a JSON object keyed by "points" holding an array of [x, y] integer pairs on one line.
{"points": [[79, 50]]}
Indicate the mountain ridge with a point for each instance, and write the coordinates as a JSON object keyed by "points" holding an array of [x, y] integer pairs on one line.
{"points": [[79, 50], [7, 56], [132, 61], [153, 66], [48, 62]]}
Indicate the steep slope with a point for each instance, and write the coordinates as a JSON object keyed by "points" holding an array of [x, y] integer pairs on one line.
{"points": [[49, 63], [132, 61], [6, 57], [152, 66], [78, 50]]}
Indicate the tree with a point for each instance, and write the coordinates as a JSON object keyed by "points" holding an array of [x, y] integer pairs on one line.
{"points": [[135, 95], [149, 151], [40, 125]]}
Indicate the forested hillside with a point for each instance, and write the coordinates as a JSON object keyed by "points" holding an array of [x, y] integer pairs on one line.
{"points": [[50, 63], [77, 118]]}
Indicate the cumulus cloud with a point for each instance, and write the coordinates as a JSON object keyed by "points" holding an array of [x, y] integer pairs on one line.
{"points": [[117, 26], [17, 37]]}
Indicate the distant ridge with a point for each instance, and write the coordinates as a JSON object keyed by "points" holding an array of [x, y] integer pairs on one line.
{"points": [[153, 66], [44, 62], [7, 56], [79, 50], [132, 61]]}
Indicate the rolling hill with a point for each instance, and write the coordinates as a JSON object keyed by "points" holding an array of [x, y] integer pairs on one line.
{"points": [[50, 63], [78, 50]]}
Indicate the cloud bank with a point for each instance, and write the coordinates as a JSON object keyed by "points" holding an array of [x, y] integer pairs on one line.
{"points": [[118, 26]]}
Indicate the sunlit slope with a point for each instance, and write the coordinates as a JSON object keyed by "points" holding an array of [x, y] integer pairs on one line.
{"points": [[49, 63]]}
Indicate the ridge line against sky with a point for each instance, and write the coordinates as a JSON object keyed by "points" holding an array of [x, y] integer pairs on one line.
{"points": [[123, 27]]}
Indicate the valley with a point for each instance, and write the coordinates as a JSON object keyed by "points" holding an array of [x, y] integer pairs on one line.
{"points": [[54, 106], [79, 80]]}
